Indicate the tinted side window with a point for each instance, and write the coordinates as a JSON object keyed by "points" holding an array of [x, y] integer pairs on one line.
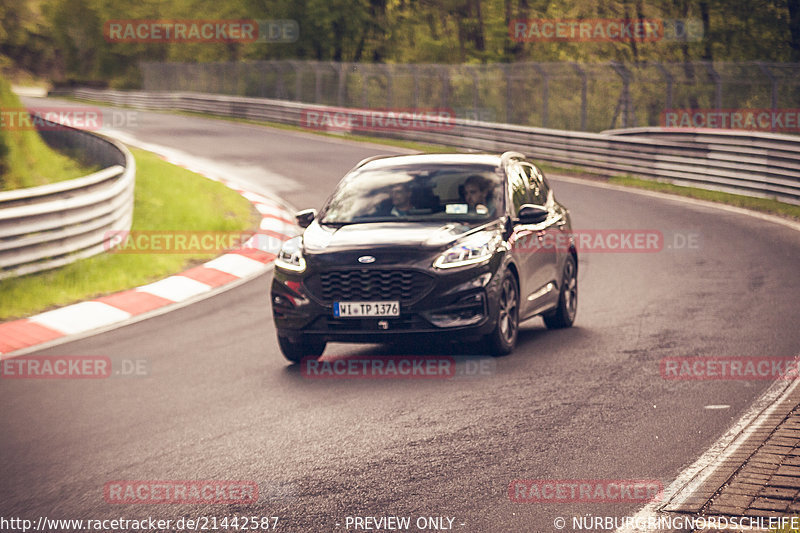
{"points": [[517, 187], [536, 183], [543, 187]]}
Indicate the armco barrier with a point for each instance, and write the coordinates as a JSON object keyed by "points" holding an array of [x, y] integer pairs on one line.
{"points": [[51, 225], [750, 163]]}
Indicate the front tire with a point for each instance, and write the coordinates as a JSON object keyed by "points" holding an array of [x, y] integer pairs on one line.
{"points": [[502, 340], [564, 315], [306, 347]]}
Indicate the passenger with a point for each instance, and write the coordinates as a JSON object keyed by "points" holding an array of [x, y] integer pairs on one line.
{"points": [[478, 191]]}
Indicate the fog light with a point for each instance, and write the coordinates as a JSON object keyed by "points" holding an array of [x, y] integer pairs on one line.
{"points": [[466, 311]]}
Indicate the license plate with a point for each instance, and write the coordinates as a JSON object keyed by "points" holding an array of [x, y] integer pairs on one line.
{"points": [[366, 309]]}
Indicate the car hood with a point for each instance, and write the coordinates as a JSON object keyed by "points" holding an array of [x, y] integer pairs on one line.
{"points": [[427, 235]]}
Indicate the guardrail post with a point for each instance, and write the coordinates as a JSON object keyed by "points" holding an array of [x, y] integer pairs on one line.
{"points": [[584, 90], [364, 87], [509, 90], [389, 85], [340, 84], [545, 94], [280, 90], [625, 96], [415, 77], [317, 84], [670, 79], [717, 82], [475, 90], [773, 80], [445, 75], [298, 79]]}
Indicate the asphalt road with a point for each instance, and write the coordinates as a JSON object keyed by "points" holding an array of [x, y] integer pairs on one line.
{"points": [[220, 403]]}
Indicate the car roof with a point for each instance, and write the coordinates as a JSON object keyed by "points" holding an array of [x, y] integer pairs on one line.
{"points": [[431, 159]]}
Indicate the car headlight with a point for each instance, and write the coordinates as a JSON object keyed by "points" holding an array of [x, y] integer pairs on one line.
{"points": [[470, 251], [291, 255]]}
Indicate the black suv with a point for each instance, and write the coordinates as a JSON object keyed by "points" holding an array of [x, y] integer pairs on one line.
{"points": [[439, 245]]}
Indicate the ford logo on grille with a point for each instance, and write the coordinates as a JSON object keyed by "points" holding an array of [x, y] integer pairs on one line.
{"points": [[366, 259]]}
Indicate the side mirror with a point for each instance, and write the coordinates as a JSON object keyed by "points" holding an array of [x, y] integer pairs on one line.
{"points": [[532, 214], [305, 217]]}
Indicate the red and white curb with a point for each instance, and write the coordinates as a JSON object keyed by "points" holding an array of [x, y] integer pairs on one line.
{"points": [[101, 314]]}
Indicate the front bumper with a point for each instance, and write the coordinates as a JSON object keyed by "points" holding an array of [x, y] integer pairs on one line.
{"points": [[460, 305]]}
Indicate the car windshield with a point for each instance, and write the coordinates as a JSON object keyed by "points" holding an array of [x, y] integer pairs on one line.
{"points": [[419, 193]]}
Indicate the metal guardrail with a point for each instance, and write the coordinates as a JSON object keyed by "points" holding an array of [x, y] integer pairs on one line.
{"points": [[52, 225], [750, 163]]}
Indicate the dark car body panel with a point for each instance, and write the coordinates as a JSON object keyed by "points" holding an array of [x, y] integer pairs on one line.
{"points": [[458, 303]]}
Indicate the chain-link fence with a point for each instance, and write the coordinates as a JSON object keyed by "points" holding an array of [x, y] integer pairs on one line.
{"points": [[569, 96]]}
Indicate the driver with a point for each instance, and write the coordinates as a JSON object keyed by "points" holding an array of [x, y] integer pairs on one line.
{"points": [[401, 200]]}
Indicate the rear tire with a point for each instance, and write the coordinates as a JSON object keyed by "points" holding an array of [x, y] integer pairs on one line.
{"points": [[306, 347], [502, 340], [564, 315]]}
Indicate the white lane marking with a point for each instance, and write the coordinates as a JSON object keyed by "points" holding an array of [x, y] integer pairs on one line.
{"points": [[693, 477], [175, 288], [236, 265], [80, 317], [715, 407]]}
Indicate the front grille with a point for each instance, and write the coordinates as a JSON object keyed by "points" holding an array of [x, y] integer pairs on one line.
{"points": [[406, 286]]}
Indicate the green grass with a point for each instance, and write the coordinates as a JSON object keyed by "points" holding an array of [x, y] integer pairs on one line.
{"points": [[25, 159], [788, 529], [764, 205], [167, 198]]}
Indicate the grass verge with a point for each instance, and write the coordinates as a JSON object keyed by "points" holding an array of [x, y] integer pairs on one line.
{"points": [[764, 205], [166, 198], [25, 159]]}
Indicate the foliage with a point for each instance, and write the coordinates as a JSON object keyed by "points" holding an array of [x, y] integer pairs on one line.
{"points": [[63, 39]]}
